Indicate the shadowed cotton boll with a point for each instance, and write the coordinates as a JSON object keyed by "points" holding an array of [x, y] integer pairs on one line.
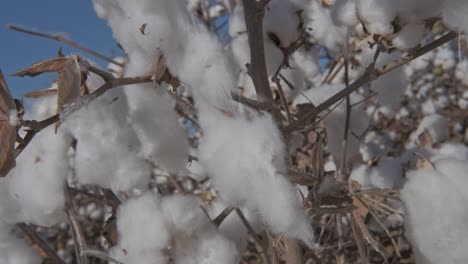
{"points": [[36, 185], [335, 119], [251, 171], [142, 232], [281, 19], [13, 250], [386, 174], [436, 213], [107, 147]]}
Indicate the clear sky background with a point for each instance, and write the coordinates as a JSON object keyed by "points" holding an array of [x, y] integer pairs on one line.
{"points": [[74, 19]]}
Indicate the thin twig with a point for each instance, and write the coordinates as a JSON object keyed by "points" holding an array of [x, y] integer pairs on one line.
{"points": [[65, 41], [101, 255], [29, 232], [344, 146]]}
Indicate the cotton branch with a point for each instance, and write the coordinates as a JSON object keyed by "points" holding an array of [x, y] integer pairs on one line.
{"points": [[65, 41], [37, 126], [370, 74], [254, 13]]}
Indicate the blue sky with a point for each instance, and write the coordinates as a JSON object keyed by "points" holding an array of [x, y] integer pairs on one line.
{"points": [[74, 18]]}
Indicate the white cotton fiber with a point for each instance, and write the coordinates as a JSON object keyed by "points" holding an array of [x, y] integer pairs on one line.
{"points": [[107, 146], [281, 18], [142, 231], [454, 14], [237, 21], [322, 28], [251, 171], [184, 214], [377, 15], [436, 213], [386, 174], [343, 13], [36, 184], [154, 121], [409, 36]]}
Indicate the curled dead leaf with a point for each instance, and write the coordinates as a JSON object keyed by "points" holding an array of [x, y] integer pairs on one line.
{"points": [[52, 65], [7, 131]]}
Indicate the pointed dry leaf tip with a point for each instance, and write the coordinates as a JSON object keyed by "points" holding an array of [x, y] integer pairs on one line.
{"points": [[69, 82], [52, 65], [159, 69], [7, 131]]}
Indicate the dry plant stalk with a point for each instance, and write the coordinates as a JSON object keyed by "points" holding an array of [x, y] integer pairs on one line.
{"points": [[7, 131]]}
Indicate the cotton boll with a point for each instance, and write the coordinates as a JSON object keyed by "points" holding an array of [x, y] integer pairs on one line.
{"points": [[436, 125], [37, 182], [237, 22], [409, 36], [439, 189], [107, 147], [387, 174], [343, 13], [142, 231], [163, 140], [322, 29], [450, 150], [184, 214], [253, 174], [454, 14], [205, 247], [307, 62], [377, 15], [42, 107], [205, 67], [335, 119], [281, 18], [14, 250]]}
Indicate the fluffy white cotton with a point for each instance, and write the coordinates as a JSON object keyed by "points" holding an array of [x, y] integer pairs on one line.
{"points": [[409, 36], [107, 147], [184, 214], [203, 65], [36, 184], [237, 21], [436, 213], [281, 18], [151, 114], [321, 27], [307, 61], [335, 120], [163, 140], [343, 13], [454, 14], [377, 15], [14, 250], [386, 174], [142, 231], [251, 171]]}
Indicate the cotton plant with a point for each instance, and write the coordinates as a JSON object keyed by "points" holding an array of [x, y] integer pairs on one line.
{"points": [[120, 136]]}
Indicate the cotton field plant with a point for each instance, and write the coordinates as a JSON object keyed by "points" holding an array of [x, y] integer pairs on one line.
{"points": [[296, 131]]}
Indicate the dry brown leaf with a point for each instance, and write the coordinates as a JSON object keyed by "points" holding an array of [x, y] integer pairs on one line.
{"points": [[422, 162], [7, 131], [69, 82], [425, 140], [159, 69], [52, 65]]}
